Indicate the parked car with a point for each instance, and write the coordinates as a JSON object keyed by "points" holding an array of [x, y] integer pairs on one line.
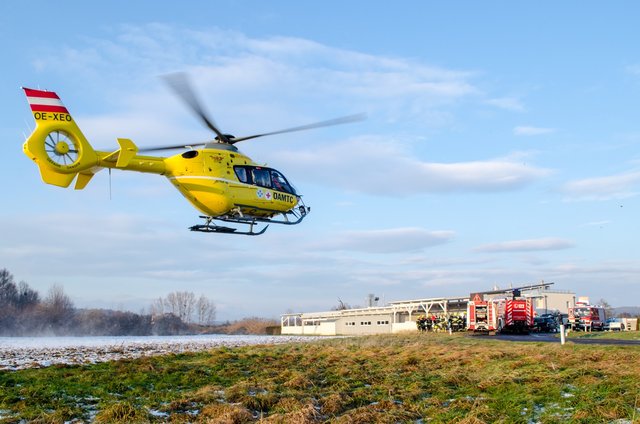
{"points": [[614, 324], [545, 324]]}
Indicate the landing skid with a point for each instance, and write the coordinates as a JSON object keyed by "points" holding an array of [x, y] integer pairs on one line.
{"points": [[210, 226]]}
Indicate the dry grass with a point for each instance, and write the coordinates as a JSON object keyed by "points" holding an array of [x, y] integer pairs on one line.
{"points": [[123, 412], [248, 326], [223, 413], [381, 379]]}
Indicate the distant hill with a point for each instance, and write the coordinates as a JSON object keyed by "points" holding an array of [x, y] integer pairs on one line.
{"points": [[632, 310]]}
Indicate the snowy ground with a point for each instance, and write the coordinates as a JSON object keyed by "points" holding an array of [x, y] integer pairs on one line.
{"points": [[35, 352]]}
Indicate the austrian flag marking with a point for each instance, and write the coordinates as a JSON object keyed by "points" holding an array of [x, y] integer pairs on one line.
{"points": [[44, 101]]}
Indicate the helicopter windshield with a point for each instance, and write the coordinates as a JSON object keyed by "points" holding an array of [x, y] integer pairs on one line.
{"points": [[279, 182], [263, 177]]}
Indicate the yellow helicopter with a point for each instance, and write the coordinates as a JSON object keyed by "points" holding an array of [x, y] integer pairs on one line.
{"points": [[217, 179]]}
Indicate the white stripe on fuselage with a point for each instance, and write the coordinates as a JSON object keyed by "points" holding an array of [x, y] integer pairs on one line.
{"points": [[194, 177]]}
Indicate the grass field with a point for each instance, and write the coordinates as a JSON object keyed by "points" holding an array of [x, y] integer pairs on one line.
{"points": [[615, 335], [415, 378]]}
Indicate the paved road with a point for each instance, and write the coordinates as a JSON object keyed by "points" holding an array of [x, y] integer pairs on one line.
{"points": [[553, 338]]}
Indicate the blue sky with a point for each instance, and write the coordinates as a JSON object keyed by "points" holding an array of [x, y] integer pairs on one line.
{"points": [[501, 147]]}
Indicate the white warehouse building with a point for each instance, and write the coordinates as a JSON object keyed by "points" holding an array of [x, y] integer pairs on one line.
{"points": [[393, 318], [401, 316]]}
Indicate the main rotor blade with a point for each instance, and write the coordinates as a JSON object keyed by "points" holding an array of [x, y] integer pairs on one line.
{"points": [[180, 84], [330, 122], [159, 148]]}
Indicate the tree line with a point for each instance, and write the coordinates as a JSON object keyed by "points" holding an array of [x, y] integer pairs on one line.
{"points": [[24, 312]]}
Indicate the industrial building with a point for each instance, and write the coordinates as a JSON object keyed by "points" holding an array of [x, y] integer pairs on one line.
{"points": [[401, 316]]}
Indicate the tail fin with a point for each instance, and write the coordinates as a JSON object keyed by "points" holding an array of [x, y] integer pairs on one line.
{"points": [[57, 145]]}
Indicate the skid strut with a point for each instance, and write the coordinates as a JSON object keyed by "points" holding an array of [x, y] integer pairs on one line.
{"points": [[292, 217]]}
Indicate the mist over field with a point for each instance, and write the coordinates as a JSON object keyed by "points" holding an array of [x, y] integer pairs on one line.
{"points": [[35, 352]]}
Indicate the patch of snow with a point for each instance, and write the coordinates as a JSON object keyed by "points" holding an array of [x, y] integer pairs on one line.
{"points": [[5, 413], [157, 414], [36, 352]]}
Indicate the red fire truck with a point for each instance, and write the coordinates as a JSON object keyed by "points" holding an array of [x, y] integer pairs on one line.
{"points": [[481, 314], [585, 317], [514, 314]]}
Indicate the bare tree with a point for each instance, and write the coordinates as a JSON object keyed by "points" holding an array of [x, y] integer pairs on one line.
{"points": [[157, 307], [8, 295], [27, 297], [181, 304], [185, 306], [206, 310], [608, 309], [341, 306], [8, 289], [58, 306]]}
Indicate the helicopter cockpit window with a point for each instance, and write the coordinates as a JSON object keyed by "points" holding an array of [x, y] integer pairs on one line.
{"points": [[261, 177], [279, 182], [241, 173]]}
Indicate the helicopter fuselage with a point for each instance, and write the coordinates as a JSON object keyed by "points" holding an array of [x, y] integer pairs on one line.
{"points": [[211, 180], [219, 180]]}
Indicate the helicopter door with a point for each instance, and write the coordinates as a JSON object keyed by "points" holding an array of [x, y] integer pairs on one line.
{"points": [[261, 177], [263, 188], [243, 192], [253, 189]]}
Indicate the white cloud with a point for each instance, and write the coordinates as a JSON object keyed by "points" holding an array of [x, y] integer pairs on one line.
{"points": [[394, 240], [269, 79], [532, 131], [529, 245], [385, 168], [618, 186], [598, 223]]}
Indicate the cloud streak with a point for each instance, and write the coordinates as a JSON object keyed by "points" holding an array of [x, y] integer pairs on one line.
{"points": [[528, 131], [385, 168], [619, 186], [240, 76], [530, 245], [507, 103], [396, 240]]}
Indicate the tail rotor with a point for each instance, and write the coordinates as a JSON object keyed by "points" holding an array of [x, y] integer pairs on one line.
{"points": [[61, 148]]}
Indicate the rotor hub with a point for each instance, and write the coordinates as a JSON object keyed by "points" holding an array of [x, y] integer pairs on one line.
{"points": [[61, 148]]}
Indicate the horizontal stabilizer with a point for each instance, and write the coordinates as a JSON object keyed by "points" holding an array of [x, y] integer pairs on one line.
{"points": [[83, 180], [123, 155]]}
